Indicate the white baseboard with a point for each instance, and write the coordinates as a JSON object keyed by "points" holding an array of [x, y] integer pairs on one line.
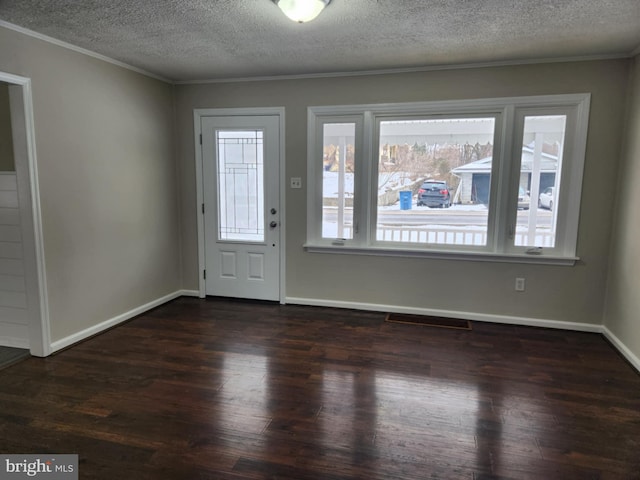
{"points": [[622, 348], [88, 332], [375, 307], [189, 293], [512, 320], [481, 317]]}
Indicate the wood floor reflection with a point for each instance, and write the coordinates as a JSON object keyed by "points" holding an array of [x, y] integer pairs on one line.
{"points": [[222, 389]]}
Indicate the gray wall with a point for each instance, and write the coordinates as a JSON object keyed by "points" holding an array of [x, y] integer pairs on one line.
{"points": [[573, 294], [117, 223], [622, 315], [104, 141]]}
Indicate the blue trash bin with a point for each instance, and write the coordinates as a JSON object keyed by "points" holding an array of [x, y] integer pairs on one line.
{"points": [[405, 200]]}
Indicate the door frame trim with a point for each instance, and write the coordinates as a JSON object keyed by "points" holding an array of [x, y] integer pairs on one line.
{"points": [[198, 114], [22, 121]]}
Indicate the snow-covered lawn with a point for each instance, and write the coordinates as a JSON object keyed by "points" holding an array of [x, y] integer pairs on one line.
{"points": [[388, 181]]}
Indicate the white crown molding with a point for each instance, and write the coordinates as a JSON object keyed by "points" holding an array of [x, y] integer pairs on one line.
{"points": [[393, 71], [84, 51]]}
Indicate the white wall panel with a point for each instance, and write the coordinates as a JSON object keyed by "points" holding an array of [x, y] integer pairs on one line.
{"points": [[15, 335], [8, 198], [9, 216], [10, 233], [8, 181], [11, 267], [14, 315], [13, 299], [10, 250], [12, 283]]}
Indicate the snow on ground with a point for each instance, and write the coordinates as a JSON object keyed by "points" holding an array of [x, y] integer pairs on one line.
{"points": [[388, 181], [454, 208]]}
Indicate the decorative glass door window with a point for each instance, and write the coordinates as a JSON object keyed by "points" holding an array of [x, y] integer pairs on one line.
{"points": [[240, 164]]}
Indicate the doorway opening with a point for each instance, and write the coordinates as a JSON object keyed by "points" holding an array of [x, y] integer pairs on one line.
{"points": [[24, 322]]}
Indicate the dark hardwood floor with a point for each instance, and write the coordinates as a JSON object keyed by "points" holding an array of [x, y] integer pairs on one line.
{"points": [[221, 389]]}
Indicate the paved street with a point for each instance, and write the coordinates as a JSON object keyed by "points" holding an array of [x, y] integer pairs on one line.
{"points": [[456, 215]]}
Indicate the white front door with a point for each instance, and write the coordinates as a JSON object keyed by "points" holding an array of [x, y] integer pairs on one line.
{"points": [[241, 176]]}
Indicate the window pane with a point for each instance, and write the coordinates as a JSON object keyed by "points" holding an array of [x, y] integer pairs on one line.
{"points": [[240, 185], [434, 178], [540, 167], [338, 167]]}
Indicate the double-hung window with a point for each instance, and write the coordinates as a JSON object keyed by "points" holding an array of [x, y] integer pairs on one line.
{"points": [[494, 179]]}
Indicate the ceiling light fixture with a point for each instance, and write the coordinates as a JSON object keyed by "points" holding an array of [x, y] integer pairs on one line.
{"points": [[302, 10]]}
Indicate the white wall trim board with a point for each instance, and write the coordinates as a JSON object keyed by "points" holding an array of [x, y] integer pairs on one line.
{"points": [[622, 348], [504, 319], [84, 51], [112, 322], [481, 317], [394, 71], [189, 293], [23, 126], [40, 332]]}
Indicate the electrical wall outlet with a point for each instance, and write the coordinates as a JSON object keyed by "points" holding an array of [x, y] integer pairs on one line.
{"points": [[519, 284], [296, 182]]}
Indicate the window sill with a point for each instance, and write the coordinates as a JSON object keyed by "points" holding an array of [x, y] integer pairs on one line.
{"points": [[442, 255]]}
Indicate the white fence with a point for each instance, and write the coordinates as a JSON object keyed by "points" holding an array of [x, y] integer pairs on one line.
{"points": [[445, 235]]}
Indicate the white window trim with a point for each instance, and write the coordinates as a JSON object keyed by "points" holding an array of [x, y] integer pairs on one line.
{"points": [[314, 182], [499, 247]]}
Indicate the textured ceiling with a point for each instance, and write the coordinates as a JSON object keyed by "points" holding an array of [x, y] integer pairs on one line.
{"points": [[185, 40]]}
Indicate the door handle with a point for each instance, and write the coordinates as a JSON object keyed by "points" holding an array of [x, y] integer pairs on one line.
{"points": [[273, 224]]}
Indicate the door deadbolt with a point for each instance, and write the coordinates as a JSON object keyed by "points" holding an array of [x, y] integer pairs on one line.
{"points": [[273, 211]]}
